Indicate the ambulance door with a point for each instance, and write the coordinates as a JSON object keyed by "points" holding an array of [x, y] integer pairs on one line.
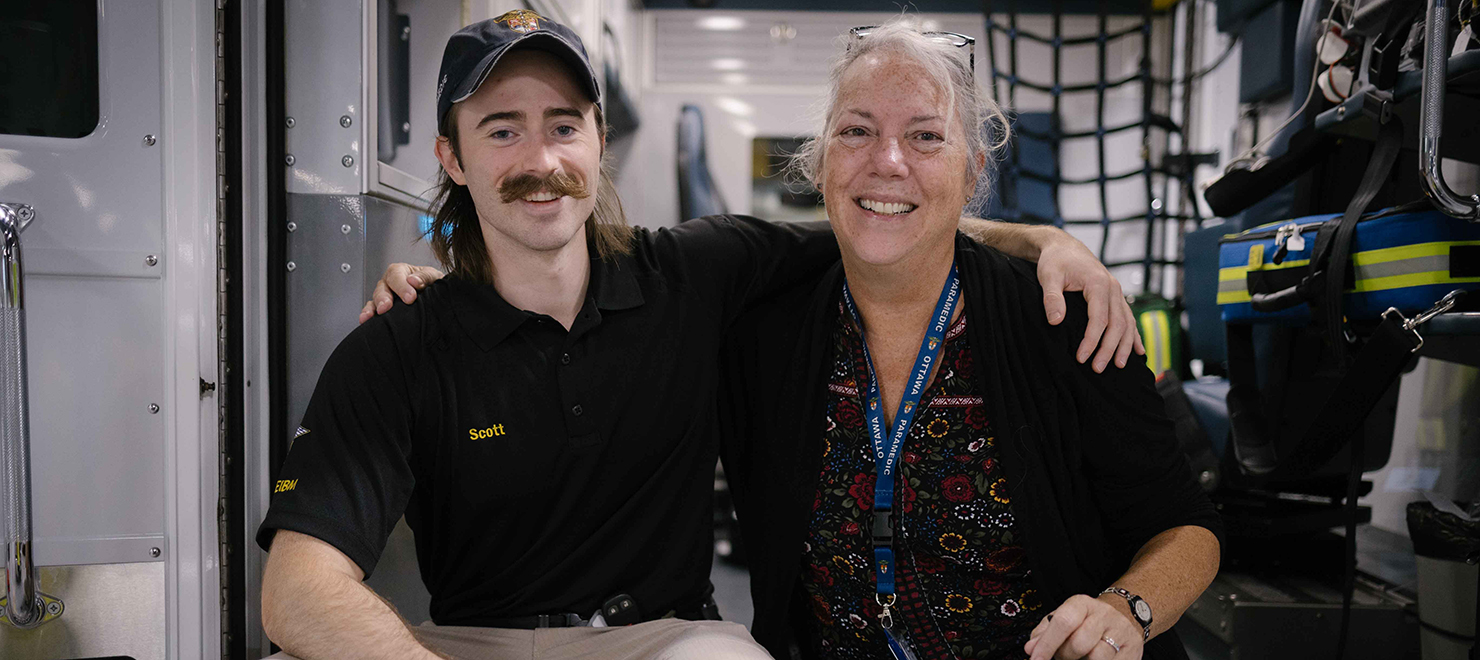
{"points": [[107, 151]]}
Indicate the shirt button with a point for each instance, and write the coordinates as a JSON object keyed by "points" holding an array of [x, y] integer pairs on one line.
{"points": [[565, 358], [576, 410]]}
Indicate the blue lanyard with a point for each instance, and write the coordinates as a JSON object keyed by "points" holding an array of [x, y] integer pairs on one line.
{"points": [[886, 456]]}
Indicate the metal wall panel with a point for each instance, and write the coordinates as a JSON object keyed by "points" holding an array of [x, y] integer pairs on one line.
{"points": [[111, 610], [95, 322], [339, 246], [324, 298], [323, 86], [97, 450]]}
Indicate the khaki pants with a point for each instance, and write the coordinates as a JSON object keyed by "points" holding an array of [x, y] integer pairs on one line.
{"points": [[663, 639]]}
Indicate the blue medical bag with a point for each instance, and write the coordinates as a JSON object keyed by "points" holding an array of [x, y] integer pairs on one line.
{"points": [[1406, 260]]}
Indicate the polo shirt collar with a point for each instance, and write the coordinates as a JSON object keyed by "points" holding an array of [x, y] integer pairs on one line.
{"points": [[489, 319], [614, 283]]}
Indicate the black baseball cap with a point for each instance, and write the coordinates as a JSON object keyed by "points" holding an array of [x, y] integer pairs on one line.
{"points": [[473, 51]]}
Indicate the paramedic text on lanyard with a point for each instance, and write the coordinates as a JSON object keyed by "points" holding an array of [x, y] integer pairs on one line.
{"points": [[886, 452]]}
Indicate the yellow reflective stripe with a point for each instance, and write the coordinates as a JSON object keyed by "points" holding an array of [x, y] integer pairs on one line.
{"points": [[1371, 284], [1233, 297], [1240, 272], [1156, 334], [1384, 255], [1149, 338], [1410, 279], [1163, 326]]}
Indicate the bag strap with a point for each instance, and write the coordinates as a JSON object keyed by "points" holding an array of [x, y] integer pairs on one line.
{"points": [[1379, 363], [1334, 242]]}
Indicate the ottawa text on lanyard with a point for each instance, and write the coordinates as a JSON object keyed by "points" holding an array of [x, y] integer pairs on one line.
{"points": [[887, 451]]}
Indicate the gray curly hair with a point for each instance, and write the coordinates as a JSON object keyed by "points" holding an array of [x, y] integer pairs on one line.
{"points": [[986, 126]]}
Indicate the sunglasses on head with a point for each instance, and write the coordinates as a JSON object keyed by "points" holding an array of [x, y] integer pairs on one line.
{"points": [[948, 38]]}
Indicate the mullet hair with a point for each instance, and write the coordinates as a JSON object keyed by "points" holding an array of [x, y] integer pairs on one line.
{"points": [[456, 235]]}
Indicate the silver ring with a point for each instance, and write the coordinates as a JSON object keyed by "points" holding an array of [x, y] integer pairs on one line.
{"points": [[1112, 643]]}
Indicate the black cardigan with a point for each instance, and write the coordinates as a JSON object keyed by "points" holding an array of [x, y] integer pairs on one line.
{"points": [[1091, 461]]}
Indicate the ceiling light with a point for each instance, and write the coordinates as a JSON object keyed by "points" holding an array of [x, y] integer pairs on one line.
{"points": [[734, 106], [720, 23]]}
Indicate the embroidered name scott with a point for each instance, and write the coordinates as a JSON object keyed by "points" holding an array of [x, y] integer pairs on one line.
{"points": [[479, 434]]}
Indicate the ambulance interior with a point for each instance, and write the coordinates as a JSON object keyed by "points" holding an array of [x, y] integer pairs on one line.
{"points": [[206, 193]]}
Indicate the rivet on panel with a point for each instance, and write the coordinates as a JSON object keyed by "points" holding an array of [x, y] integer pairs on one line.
{"points": [[151, 261], [289, 159], [292, 266], [154, 409], [346, 121], [291, 122], [347, 161], [344, 229], [405, 127], [344, 268], [155, 552], [149, 140], [292, 226]]}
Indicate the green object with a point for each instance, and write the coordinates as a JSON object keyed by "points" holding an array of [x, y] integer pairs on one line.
{"points": [[1160, 323]]}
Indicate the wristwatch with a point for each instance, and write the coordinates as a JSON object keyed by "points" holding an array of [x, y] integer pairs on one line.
{"points": [[1139, 609]]}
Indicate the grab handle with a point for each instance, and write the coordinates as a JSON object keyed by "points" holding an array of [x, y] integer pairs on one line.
{"points": [[24, 605], [1431, 118]]}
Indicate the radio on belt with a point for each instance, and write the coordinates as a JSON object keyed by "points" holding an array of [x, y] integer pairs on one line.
{"points": [[621, 610]]}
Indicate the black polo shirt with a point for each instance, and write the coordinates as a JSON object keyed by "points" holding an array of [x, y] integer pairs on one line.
{"points": [[542, 470]]}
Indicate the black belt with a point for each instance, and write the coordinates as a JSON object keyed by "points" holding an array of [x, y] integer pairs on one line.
{"points": [[566, 620], [706, 611]]}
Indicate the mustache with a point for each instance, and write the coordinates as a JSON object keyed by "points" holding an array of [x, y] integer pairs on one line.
{"points": [[560, 183]]}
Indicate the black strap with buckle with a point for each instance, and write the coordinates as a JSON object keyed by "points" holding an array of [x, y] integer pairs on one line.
{"points": [[565, 620], [703, 609]]}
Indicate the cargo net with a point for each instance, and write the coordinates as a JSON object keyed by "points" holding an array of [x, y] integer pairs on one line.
{"points": [[1130, 173]]}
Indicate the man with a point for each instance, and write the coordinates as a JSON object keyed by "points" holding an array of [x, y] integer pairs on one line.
{"points": [[545, 417]]}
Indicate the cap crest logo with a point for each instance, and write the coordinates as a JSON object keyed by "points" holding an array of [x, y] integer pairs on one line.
{"points": [[520, 20]]}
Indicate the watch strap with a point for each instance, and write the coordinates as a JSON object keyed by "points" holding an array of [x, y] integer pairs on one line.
{"points": [[1132, 599]]}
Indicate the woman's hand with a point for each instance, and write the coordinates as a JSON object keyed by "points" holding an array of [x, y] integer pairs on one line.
{"points": [[1081, 627], [404, 280], [1067, 265]]}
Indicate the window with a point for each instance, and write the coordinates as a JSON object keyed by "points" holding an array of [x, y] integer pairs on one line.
{"points": [[49, 68]]}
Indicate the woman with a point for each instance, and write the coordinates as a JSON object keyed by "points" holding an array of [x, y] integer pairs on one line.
{"points": [[982, 515]]}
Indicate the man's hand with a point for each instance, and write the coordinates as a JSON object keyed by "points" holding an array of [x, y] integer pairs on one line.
{"points": [[402, 279], [1079, 629], [1067, 265]]}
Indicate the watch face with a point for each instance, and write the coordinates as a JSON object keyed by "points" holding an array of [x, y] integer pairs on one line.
{"points": [[1143, 611]]}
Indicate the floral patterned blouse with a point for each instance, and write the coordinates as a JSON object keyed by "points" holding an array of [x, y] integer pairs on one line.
{"points": [[963, 587]]}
